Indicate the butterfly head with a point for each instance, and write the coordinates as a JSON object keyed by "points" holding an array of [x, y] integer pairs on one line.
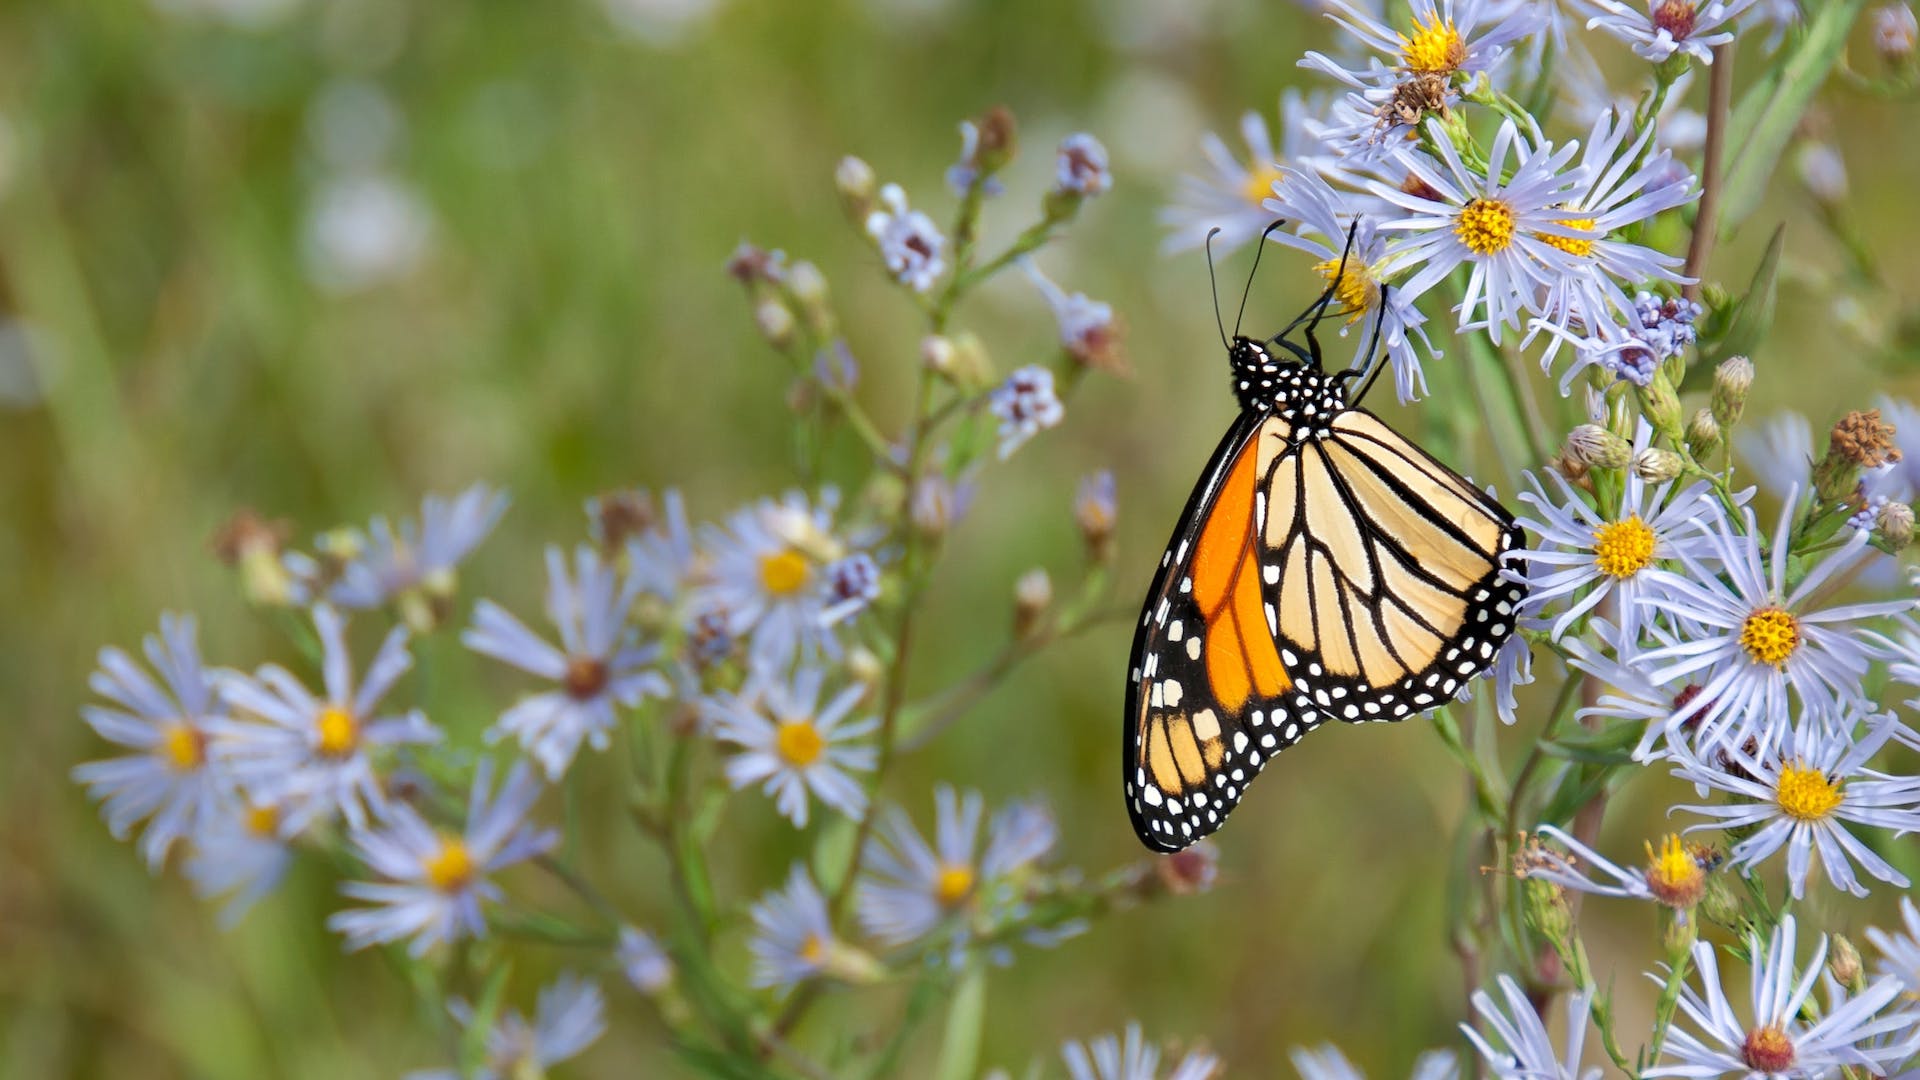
{"points": [[1269, 376]]}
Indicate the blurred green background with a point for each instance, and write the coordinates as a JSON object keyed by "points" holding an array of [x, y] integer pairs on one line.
{"points": [[321, 256]]}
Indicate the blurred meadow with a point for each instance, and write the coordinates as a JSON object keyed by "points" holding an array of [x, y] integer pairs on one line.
{"points": [[320, 257]]}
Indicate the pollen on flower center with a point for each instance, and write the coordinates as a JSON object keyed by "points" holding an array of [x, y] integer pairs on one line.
{"points": [[1770, 635], [586, 677], [1674, 875], [339, 731], [263, 820], [814, 950], [451, 868], [799, 743], [1485, 226], [1623, 548], [1259, 185], [183, 745], [1767, 1049], [1434, 49], [953, 884], [1578, 246], [1355, 287], [1676, 17], [1806, 794], [784, 572]]}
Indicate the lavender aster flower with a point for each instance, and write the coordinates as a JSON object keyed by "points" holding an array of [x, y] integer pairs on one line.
{"points": [[793, 936], [1667, 26], [1675, 874], [1441, 42], [419, 556], [1326, 1062], [241, 854], [1108, 1057], [1231, 195], [434, 883], [646, 965], [596, 667], [169, 781], [570, 1016], [910, 243], [1026, 406], [1780, 453], [765, 575], [1081, 168], [1528, 1052], [792, 745], [913, 887], [1088, 330]]}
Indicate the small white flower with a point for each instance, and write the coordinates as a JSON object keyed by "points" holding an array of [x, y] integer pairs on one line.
{"points": [[1675, 874], [1441, 40], [570, 1016], [1900, 955], [1326, 1062], [646, 965], [1583, 556], [598, 665], [1629, 695], [1650, 329], [793, 937], [791, 744], [1894, 30], [1801, 795], [1507, 230], [433, 883], [1325, 218], [1230, 196], [1080, 168], [169, 782], [418, 555], [310, 755], [1667, 26], [1779, 1042], [1759, 638], [767, 578], [1088, 330], [1108, 1057], [363, 229], [1026, 406], [910, 243], [239, 853], [913, 887], [1526, 1052]]}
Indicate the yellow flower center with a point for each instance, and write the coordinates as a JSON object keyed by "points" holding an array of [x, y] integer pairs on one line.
{"points": [[954, 884], [1259, 184], [1674, 875], [1434, 49], [799, 743], [451, 868], [1623, 548], [1357, 289], [1806, 794], [1767, 1049], [1770, 635], [183, 746], [1485, 226], [339, 731], [263, 820], [814, 950], [1572, 245], [784, 572]]}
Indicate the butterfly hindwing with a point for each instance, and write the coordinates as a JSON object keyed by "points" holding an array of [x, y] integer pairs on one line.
{"points": [[1207, 694], [1383, 568]]}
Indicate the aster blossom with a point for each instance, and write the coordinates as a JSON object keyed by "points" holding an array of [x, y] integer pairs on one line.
{"points": [[418, 554], [1131, 1057], [1667, 26], [766, 578], [794, 746], [1231, 195], [570, 1015], [1026, 405], [1675, 874], [910, 243], [1445, 38], [912, 887], [1524, 1050]]}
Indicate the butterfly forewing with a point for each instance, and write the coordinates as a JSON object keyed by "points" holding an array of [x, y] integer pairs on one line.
{"points": [[1207, 694]]}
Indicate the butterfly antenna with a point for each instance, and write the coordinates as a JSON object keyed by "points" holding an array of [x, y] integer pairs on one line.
{"points": [[1257, 252], [1376, 361], [1333, 288], [1214, 283]]}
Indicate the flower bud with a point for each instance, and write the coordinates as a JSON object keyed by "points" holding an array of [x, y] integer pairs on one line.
{"points": [[1732, 381], [1094, 510], [972, 368], [1895, 526], [252, 544], [855, 180], [865, 667], [809, 287], [775, 322], [1678, 931], [1545, 906], [1720, 906], [1894, 31], [1843, 961], [1703, 433], [1657, 466], [1661, 406], [1594, 447], [937, 353], [1032, 596], [998, 140], [1859, 440]]}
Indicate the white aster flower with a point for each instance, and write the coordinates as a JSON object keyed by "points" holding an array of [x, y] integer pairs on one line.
{"points": [[1506, 230], [792, 745], [910, 243], [645, 964], [1080, 167], [1584, 556], [418, 556], [598, 665], [1088, 330], [1675, 874], [1324, 218], [433, 883], [912, 887], [1779, 452], [1629, 695], [767, 578], [1525, 1051], [793, 936], [240, 854], [1667, 26], [1026, 405], [1779, 1041], [1326, 1062], [1900, 955], [1230, 196], [1758, 637], [570, 1016], [1109, 1057], [1445, 39], [1801, 796], [169, 781], [311, 755]]}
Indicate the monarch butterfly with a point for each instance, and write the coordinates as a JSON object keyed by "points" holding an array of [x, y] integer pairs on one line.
{"points": [[1323, 567]]}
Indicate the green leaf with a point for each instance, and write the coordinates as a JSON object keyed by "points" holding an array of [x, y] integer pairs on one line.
{"points": [[1609, 746], [966, 1019], [833, 852], [1744, 324], [1763, 124]]}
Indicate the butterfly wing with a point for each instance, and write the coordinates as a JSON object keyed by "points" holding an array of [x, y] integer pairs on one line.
{"points": [[1384, 568], [1208, 700]]}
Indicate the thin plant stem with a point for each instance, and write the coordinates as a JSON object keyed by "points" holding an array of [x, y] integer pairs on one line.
{"points": [[1706, 221]]}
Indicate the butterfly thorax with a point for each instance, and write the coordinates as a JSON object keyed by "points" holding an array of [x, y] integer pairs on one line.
{"points": [[1297, 392]]}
